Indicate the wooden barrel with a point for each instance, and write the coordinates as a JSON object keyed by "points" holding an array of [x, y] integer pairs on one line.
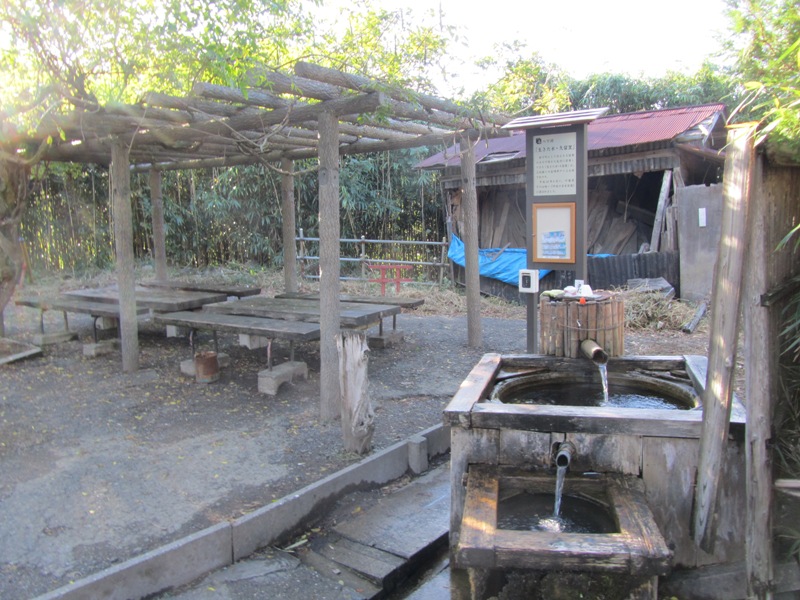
{"points": [[564, 324]]}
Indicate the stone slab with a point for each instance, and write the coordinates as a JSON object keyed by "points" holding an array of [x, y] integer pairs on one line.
{"points": [[101, 348], [389, 339], [333, 570], [253, 342], [377, 565], [176, 331], [413, 519], [48, 339], [274, 575], [269, 380]]}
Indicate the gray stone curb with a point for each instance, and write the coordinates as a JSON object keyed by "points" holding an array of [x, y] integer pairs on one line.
{"points": [[187, 559]]}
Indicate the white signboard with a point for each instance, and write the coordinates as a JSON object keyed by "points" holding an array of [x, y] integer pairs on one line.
{"points": [[555, 164]]}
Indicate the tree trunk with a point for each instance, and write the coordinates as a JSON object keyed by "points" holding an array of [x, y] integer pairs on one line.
{"points": [[13, 195], [358, 418], [329, 265]]}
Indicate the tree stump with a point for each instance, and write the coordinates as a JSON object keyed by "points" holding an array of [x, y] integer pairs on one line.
{"points": [[358, 418]]}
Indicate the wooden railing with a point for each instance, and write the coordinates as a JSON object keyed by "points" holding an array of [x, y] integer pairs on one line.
{"points": [[363, 259]]}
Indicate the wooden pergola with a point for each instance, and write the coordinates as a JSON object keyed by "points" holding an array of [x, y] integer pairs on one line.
{"points": [[315, 112]]}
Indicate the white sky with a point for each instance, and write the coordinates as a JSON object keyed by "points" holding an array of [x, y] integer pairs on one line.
{"points": [[634, 37]]}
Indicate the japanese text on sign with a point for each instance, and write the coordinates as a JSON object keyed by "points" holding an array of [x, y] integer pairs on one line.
{"points": [[555, 164]]}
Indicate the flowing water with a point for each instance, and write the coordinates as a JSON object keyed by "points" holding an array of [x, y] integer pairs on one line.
{"points": [[604, 378], [560, 475]]}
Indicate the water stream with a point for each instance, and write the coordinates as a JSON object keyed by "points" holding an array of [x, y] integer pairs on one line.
{"points": [[560, 475], [604, 378]]}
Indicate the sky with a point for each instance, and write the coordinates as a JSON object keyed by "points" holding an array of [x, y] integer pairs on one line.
{"points": [[633, 37]]}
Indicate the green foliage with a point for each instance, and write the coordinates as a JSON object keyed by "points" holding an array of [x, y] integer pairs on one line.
{"points": [[527, 85], [624, 94], [92, 52], [396, 47], [766, 44]]}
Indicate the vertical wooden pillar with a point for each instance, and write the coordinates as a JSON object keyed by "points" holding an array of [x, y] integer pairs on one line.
{"points": [[469, 211], [289, 226], [329, 230], [761, 387], [724, 330], [159, 238], [123, 244]]}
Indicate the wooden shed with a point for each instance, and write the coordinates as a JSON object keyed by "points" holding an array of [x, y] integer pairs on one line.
{"points": [[653, 191]]}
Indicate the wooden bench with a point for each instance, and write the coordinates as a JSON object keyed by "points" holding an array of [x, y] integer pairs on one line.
{"points": [[68, 304], [269, 379], [293, 331]]}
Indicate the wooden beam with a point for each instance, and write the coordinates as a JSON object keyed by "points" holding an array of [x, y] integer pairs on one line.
{"points": [[329, 252], [658, 223], [724, 331], [123, 244], [469, 210]]}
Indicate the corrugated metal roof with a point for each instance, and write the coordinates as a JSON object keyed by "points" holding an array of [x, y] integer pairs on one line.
{"points": [[614, 131]]}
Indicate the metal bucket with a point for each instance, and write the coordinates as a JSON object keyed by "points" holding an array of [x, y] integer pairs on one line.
{"points": [[206, 367]]}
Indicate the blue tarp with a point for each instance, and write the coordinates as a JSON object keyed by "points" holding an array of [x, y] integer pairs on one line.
{"points": [[497, 263]]}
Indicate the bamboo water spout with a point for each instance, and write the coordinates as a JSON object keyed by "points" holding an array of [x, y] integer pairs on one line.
{"points": [[564, 454], [594, 352]]}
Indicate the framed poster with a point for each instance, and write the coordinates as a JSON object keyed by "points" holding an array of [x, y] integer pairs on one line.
{"points": [[554, 232]]}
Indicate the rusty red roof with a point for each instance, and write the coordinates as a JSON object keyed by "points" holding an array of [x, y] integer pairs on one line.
{"points": [[614, 131]]}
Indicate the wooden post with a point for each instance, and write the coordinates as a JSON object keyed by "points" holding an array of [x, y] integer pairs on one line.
{"points": [[724, 330], [329, 251], [358, 418], [287, 212], [660, 208], [761, 359], [159, 241], [469, 211], [123, 244]]}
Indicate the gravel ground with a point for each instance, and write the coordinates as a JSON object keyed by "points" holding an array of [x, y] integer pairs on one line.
{"points": [[97, 466]]}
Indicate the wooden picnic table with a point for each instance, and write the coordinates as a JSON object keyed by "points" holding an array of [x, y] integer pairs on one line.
{"points": [[240, 291], [67, 304], [157, 300], [352, 314], [400, 301]]}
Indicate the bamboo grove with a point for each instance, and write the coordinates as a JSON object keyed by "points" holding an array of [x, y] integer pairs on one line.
{"points": [[223, 216]]}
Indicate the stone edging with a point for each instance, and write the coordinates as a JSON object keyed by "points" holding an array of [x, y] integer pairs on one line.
{"points": [[189, 558]]}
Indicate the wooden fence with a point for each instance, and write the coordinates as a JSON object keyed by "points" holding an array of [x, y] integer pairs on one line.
{"points": [[430, 256]]}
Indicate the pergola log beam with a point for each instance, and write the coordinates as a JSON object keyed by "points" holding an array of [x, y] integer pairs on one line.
{"points": [[218, 126], [364, 84]]}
